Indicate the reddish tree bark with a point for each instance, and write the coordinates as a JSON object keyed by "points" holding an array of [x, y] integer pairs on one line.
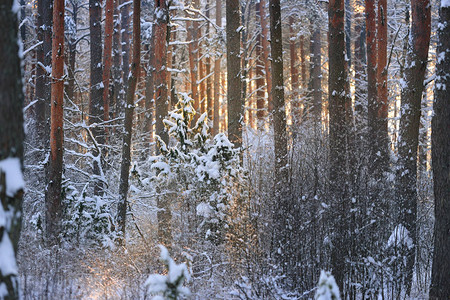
{"points": [[295, 101], [55, 167], [340, 113], [316, 73], [266, 54], [382, 71], [234, 90], [107, 55], [260, 99], [161, 102], [209, 98], [302, 60], [129, 110], [192, 35], [216, 119]]}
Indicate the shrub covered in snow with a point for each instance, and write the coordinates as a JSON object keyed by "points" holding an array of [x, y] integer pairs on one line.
{"points": [[204, 168], [87, 220], [327, 288], [170, 286]]}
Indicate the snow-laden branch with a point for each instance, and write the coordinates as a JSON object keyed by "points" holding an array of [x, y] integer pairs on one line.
{"points": [[31, 48]]}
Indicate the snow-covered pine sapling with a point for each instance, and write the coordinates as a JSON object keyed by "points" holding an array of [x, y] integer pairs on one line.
{"points": [[327, 288], [207, 167], [170, 286], [87, 220]]}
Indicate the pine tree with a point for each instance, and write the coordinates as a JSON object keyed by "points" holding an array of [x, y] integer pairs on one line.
{"points": [[11, 149], [55, 169], [440, 276]]}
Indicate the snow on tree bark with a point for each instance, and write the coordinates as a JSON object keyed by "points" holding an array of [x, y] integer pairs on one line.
{"points": [[129, 110], [282, 216], [339, 133], [161, 103], [11, 149], [217, 61], [96, 108], [440, 276], [234, 84], [55, 168], [107, 55], [411, 96]]}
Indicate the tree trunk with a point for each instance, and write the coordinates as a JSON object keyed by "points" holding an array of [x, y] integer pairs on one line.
{"points": [[359, 60], [72, 47], [440, 276], [234, 90], [260, 99], [11, 147], [164, 214], [129, 109], [266, 54], [192, 35], [316, 75], [96, 89], [116, 67], [209, 98], [107, 55], [44, 52], [216, 119], [340, 118], [55, 168], [281, 176], [411, 96], [295, 101], [149, 93], [125, 30]]}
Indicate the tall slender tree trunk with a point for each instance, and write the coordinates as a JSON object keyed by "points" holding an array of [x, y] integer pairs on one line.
{"points": [[107, 55], [209, 97], [11, 148], [72, 47], [96, 88], [192, 35], [44, 52], [295, 101], [117, 61], [161, 102], [302, 60], [125, 30], [340, 118], [217, 70], [234, 83], [266, 54], [55, 168], [149, 93], [316, 74], [260, 97], [411, 96], [440, 277], [359, 61], [129, 110], [281, 184], [378, 117], [201, 78]]}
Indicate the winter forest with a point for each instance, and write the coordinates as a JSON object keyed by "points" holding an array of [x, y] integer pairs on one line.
{"points": [[225, 149]]}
